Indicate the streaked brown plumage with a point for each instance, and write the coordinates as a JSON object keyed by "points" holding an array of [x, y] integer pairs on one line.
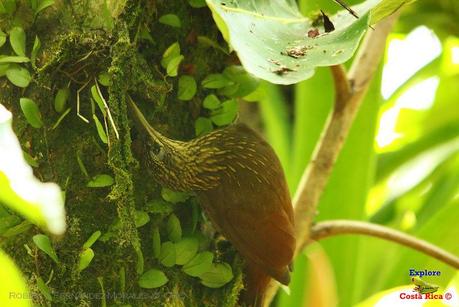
{"points": [[241, 187]]}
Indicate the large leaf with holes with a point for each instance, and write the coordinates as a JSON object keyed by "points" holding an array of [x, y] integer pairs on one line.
{"points": [[274, 42]]}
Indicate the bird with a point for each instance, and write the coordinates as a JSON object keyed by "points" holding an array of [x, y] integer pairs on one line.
{"points": [[241, 187]]}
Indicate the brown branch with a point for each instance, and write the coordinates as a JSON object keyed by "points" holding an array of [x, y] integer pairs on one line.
{"points": [[341, 227], [350, 91]]}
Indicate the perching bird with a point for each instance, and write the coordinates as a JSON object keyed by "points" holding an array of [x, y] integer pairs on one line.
{"points": [[240, 184]]}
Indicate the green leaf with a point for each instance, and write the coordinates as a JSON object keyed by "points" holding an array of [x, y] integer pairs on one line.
{"points": [[211, 102], [44, 289], [174, 230], [173, 196], [99, 100], [167, 255], [202, 126], [270, 37], [141, 218], [159, 206], [2, 38], [18, 40], [172, 67], [218, 275], [156, 242], [197, 3], [43, 4], [13, 59], [31, 112], [170, 20], [171, 52], [226, 114], [100, 181], [104, 79], [13, 282], [186, 249], [18, 75], [186, 88], [386, 8], [100, 130], [44, 243], [246, 83], [92, 239], [61, 98], [36, 47], [152, 279], [200, 264], [85, 259], [3, 69], [214, 81], [7, 7], [40, 203]]}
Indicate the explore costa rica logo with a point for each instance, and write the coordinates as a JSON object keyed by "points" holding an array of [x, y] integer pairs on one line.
{"points": [[423, 289]]}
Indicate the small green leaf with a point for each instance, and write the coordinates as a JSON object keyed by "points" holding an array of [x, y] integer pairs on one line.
{"points": [[100, 130], [13, 59], [170, 20], [171, 52], [92, 239], [18, 40], [218, 275], [141, 218], [140, 261], [186, 88], [18, 75], [2, 38], [43, 4], [36, 47], [3, 69], [226, 114], [197, 3], [30, 160], [44, 243], [202, 126], [104, 79], [44, 289], [174, 230], [211, 102], [200, 264], [100, 181], [31, 112], [86, 257], [152, 279], [215, 81], [185, 250], [159, 206], [172, 67], [156, 243], [61, 98], [173, 196], [167, 255], [99, 100]]}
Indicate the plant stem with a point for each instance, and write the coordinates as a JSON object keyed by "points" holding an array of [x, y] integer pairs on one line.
{"points": [[327, 229]]}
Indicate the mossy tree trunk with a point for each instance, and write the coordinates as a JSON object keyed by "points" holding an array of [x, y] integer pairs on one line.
{"points": [[79, 41]]}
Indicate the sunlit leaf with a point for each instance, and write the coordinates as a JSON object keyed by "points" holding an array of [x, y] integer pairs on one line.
{"points": [[31, 112], [13, 59], [85, 259], [167, 255], [386, 8], [218, 275], [44, 243], [18, 40], [271, 37], [36, 47], [152, 279], [18, 75], [12, 293], [199, 265], [170, 20], [41, 203], [100, 181], [186, 249]]}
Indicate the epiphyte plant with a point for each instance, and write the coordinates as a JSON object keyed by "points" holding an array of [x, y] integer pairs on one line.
{"points": [[240, 184]]}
